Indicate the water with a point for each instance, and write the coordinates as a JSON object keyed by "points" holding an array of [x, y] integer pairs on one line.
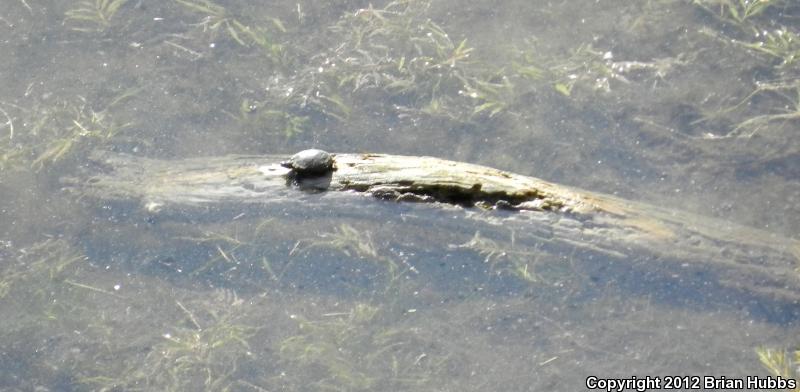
{"points": [[650, 101]]}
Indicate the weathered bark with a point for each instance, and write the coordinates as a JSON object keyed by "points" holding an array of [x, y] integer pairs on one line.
{"points": [[736, 257]]}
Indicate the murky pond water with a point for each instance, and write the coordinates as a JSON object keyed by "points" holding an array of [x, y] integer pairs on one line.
{"points": [[692, 106]]}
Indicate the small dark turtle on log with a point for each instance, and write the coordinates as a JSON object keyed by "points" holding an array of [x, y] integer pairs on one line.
{"points": [[310, 162]]}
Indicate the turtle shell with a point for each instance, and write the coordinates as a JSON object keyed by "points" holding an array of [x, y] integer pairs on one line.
{"points": [[312, 161]]}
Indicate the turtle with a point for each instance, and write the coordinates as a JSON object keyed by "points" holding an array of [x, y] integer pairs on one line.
{"points": [[310, 162]]}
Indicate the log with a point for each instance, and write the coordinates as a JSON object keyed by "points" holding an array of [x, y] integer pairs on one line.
{"points": [[746, 260]]}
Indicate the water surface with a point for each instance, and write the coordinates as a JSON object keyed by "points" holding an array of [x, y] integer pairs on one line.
{"points": [[690, 106]]}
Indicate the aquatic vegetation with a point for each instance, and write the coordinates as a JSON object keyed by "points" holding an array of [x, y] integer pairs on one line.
{"points": [[93, 15], [52, 132], [780, 363], [223, 248], [520, 263], [493, 96], [203, 354], [781, 44], [224, 260], [529, 263], [393, 60], [353, 243], [40, 265], [348, 240], [784, 101], [275, 118], [788, 94], [8, 124], [738, 11], [214, 237], [356, 351], [772, 101], [49, 288], [46, 289], [11, 155], [87, 125], [400, 52], [585, 66], [398, 49], [207, 352], [217, 19]]}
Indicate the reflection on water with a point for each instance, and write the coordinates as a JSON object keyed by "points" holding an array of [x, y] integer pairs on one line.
{"points": [[672, 103]]}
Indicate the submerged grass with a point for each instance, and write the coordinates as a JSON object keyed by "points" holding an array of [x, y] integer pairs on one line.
{"points": [[357, 351], [781, 44], [48, 294], [504, 259], [51, 133], [585, 67], [738, 11], [276, 117], [86, 126], [397, 61], [218, 20], [93, 16], [774, 98], [400, 53], [780, 363], [201, 349], [787, 109], [50, 290], [41, 265], [354, 243]]}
